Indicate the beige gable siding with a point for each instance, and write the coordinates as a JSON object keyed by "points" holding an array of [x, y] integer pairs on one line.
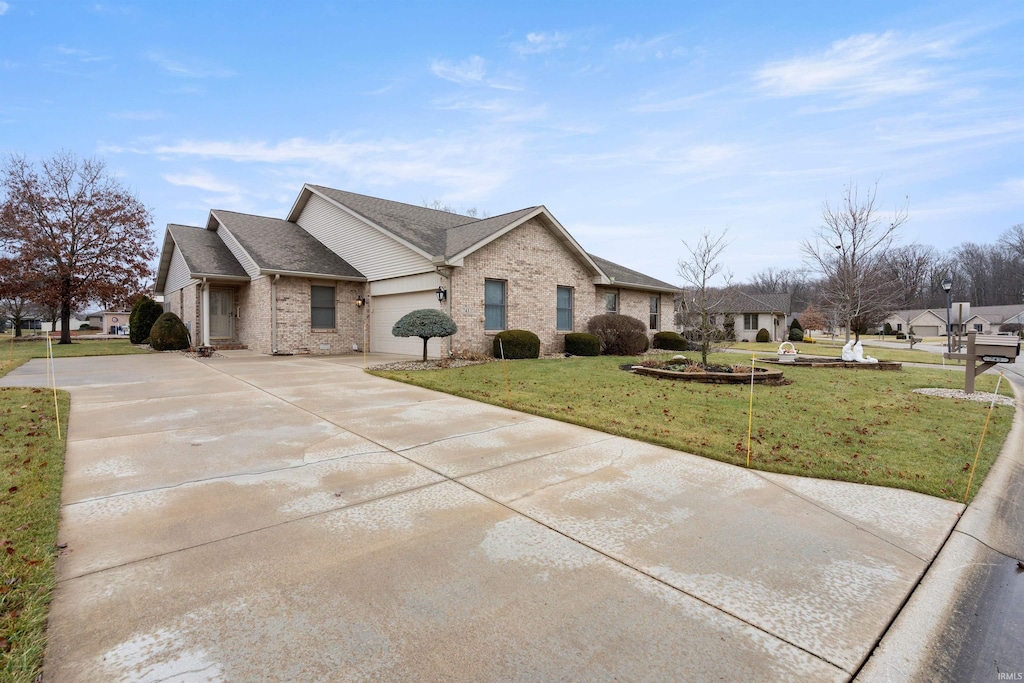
{"points": [[372, 253], [178, 274], [251, 269]]}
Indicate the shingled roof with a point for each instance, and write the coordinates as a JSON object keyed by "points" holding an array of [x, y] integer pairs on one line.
{"points": [[204, 253], [279, 246], [622, 275], [737, 301], [419, 226]]}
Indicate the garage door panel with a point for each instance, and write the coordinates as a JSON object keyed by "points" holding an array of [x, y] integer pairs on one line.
{"points": [[386, 310]]}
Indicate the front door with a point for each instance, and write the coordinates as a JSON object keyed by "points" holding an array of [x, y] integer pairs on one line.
{"points": [[222, 313]]}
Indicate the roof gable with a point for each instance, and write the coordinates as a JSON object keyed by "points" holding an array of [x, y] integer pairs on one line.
{"points": [[279, 246], [419, 226], [204, 252]]}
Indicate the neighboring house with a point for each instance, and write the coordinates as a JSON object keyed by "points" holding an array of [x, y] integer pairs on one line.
{"points": [[931, 322], [55, 326], [339, 271], [750, 313], [112, 322]]}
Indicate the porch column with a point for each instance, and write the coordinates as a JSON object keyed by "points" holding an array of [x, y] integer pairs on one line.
{"points": [[206, 313]]}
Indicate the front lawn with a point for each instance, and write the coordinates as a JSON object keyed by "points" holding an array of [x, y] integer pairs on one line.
{"points": [[853, 425], [13, 354], [31, 469]]}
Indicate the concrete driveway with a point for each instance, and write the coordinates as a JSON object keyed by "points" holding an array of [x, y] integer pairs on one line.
{"points": [[252, 518]]}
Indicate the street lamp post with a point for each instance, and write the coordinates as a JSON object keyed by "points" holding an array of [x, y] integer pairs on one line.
{"points": [[947, 285]]}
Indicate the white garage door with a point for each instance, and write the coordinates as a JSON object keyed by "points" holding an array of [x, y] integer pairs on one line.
{"points": [[385, 312], [927, 331]]}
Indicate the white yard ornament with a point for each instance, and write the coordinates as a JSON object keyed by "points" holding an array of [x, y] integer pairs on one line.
{"points": [[854, 353], [787, 349]]}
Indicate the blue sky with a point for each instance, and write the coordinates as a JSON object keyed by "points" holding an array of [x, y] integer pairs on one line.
{"points": [[637, 124]]}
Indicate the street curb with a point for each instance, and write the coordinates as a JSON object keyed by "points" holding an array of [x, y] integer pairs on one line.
{"points": [[907, 649]]}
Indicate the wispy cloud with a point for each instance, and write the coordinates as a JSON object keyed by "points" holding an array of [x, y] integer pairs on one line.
{"points": [[501, 109], [471, 71], [189, 69], [4, 7], [150, 115], [202, 180], [861, 66], [83, 56], [657, 47], [537, 43], [470, 165]]}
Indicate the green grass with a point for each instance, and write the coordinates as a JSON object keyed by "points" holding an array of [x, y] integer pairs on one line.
{"points": [[851, 425], [13, 354], [31, 469], [827, 347]]}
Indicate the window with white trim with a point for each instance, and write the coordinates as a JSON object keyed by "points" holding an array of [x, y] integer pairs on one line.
{"points": [[494, 304], [655, 311], [322, 307], [750, 321], [611, 302], [563, 308]]}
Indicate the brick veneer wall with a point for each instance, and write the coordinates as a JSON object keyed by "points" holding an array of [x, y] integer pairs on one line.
{"points": [[637, 304], [184, 303], [252, 327], [533, 263], [294, 333]]}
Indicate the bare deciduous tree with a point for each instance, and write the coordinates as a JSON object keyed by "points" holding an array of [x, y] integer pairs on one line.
{"points": [[910, 266], [849, 250], [1013, 241], [72, 222], [699, 270]]}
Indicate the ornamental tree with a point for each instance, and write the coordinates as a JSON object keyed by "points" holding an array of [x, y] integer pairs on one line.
{"points": [[85, 234], [425, 323]]}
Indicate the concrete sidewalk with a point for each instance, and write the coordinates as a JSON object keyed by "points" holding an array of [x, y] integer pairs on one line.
{"points": [[251, 518]]}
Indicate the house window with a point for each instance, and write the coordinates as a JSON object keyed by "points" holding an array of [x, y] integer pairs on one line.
{"points": [[655, 311], [321, 312], [494, 304], [979, 327], [611, 302], [750, 321], [899, 327], [563, 306]]}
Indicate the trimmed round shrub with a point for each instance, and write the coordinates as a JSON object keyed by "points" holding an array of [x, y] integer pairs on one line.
{"points": [[424, 323], [620, 335], [763, 336], [516, 344], [582, 344], [168, 333], [670, 341], [144, 313], [900, 335], [85, 326]]}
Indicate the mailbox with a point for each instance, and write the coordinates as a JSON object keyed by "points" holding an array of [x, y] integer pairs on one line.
{"points": [[996, 348]]}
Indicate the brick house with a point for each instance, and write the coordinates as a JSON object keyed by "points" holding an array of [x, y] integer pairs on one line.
{"points": [[342, 268]]}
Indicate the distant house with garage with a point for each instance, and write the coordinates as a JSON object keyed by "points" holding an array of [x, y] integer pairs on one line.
{"points": [[931, 322], [341, 268]]}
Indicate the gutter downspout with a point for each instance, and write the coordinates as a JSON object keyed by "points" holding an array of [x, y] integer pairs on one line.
{"points": [[273, 314], [206, 312]]}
